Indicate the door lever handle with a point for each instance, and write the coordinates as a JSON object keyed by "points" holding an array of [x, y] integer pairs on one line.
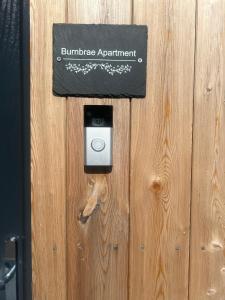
{"points": [[9, 264], [7, 276]]}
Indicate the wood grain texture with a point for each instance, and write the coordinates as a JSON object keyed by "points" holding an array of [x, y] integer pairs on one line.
{"points": [[48, 134], [208, 192], [161, 142], [97, 246]]}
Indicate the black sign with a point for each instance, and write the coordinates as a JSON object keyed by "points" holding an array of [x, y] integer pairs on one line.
{"points": [[99, 60]]}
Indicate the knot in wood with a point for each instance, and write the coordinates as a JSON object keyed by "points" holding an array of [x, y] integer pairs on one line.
{"points": [[156, 185]]}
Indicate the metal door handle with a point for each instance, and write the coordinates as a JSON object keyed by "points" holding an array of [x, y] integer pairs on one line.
{"points": [[7, 277], [10, 262]]}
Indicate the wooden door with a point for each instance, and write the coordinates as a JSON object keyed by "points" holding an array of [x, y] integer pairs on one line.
{"points": [[153, 228]]}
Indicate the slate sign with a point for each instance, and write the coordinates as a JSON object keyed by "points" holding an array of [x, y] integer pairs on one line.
{"points": [[99, 60]]}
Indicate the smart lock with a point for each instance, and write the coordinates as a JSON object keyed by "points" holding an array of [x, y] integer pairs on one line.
{"points": [[98, 129]]}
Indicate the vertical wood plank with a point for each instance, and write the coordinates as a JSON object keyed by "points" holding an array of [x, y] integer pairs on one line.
{"points": [[48, 134], [97, 247], [161, 142], [208, 191]]}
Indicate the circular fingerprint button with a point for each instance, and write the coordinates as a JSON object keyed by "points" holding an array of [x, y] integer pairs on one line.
{"points": [[98, 144]]}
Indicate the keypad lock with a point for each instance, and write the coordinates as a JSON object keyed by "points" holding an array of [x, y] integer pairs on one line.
{"points": [[98, 135]]}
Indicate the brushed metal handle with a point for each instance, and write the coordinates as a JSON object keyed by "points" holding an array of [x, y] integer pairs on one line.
{"points": [[7, 276], [10, 261]]}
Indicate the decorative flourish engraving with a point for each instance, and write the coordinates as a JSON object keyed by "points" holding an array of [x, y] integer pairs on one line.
{"points": [[109, 68]]}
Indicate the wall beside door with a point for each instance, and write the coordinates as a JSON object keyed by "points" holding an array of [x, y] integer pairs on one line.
{"points": [[158, 229]]}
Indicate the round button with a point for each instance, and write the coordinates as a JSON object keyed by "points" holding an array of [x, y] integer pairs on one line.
{"points": [[98, 144]]}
